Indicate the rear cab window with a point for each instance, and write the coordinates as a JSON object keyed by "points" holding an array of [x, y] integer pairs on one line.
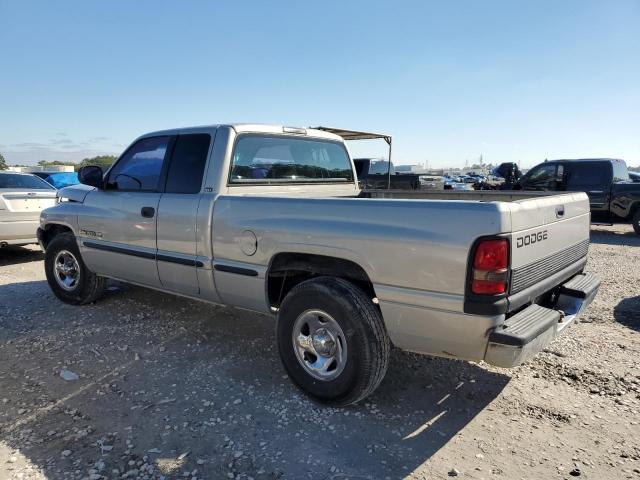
{"points": [[277, 159]]}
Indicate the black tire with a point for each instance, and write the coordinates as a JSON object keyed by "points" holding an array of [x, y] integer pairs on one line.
{"points": [[368, 344], [636, 221], [89, 286]]}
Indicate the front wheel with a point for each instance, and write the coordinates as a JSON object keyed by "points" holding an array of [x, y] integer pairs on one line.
{"points": [[636, 221], [332, 340], [68, 277]]}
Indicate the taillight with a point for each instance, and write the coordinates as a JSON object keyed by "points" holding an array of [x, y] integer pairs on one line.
{"points": [[490, 267]]}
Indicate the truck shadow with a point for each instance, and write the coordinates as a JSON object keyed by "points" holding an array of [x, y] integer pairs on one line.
{"points": [[627, 312], [614, 237], [184, 381], [15, 255]]}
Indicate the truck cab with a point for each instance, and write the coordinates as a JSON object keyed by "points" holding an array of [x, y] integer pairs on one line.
{"points": [[613, 197]]}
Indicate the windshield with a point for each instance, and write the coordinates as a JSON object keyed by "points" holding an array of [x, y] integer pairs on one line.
{"points": [[262, 159], [11, 180]]}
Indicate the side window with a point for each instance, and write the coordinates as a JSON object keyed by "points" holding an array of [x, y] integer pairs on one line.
{"points": [[140, 167], [588, 174], [186, 168], [542, 177]]}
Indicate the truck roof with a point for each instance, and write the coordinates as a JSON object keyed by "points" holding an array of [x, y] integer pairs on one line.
{"points": [[587, 160], [250, 127]]}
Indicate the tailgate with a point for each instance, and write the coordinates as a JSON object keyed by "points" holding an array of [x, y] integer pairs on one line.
{"points": [[548, 235]]}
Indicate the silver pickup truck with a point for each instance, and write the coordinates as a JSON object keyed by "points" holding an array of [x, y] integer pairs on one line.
{"points": [[271, 219]]}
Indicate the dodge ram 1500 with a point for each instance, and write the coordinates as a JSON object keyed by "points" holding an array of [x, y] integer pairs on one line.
{"points": [[271, 219]]}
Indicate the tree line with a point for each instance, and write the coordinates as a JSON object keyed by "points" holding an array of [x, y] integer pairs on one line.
{"points": [[104, 161]]}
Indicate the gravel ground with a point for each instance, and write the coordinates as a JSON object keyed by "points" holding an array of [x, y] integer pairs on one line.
{"points": [[164, 386]]}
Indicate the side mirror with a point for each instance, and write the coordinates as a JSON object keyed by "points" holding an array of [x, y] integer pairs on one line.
{"points": [[91, 175]]}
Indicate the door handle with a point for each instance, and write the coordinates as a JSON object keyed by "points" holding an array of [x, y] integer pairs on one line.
{"points": [[560, 211], [148, 212]]}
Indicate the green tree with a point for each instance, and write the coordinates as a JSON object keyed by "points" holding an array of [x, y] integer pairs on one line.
{"points": [[3, 163], [45, 163], [104, 161]]}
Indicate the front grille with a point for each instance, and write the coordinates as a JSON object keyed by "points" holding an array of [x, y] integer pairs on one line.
{"points": [[531, 274]]}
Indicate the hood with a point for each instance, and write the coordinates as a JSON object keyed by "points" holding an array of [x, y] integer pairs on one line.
{"points": [[75, 193]]}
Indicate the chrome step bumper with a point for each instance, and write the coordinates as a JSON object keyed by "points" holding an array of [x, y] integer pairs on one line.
{"points": [[532, 329]]}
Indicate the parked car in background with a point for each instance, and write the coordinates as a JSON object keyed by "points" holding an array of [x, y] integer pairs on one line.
{"points": [[372, 173], [22, 197], [59, 179], [635, 177], [613, 197], [271, 219], [455, 183], [431, 182]]}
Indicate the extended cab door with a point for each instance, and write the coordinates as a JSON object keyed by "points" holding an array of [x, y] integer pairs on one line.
{"points": [[178, 214], [117, 226], [595, 179]]}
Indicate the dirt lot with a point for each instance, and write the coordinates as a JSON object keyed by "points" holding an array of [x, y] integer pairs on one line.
{"points": [[176, 388]]}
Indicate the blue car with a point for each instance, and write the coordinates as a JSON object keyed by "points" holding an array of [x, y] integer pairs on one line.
{"points": [[59, 179]]}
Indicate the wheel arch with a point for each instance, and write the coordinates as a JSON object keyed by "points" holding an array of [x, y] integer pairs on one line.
{"points": [[51, 230], [288, 269]]}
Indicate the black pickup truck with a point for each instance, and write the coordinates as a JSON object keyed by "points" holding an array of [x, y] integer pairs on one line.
{"points": [[614, 198], [372, 175]]}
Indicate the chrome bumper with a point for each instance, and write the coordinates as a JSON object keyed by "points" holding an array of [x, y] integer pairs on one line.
{"points": [[531, 330]]}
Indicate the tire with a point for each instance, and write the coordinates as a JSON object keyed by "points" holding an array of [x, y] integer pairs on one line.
{"points": [[361, 348], [80, 285], [636, 221]]}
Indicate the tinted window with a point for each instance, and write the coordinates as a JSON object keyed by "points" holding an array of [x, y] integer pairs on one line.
{"points": [[187, 163], [279, 159], [361, 166], [588, 174], [620, 172], [380, 167], [9, 180], [140, 166], [541, 177]]}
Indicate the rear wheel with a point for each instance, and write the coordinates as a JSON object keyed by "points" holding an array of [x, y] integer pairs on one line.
{"points": [[332, 340], [636, 221], [69, 278]]}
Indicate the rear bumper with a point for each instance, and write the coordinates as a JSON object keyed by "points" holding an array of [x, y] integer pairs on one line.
{"points": [[531, 330]]}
